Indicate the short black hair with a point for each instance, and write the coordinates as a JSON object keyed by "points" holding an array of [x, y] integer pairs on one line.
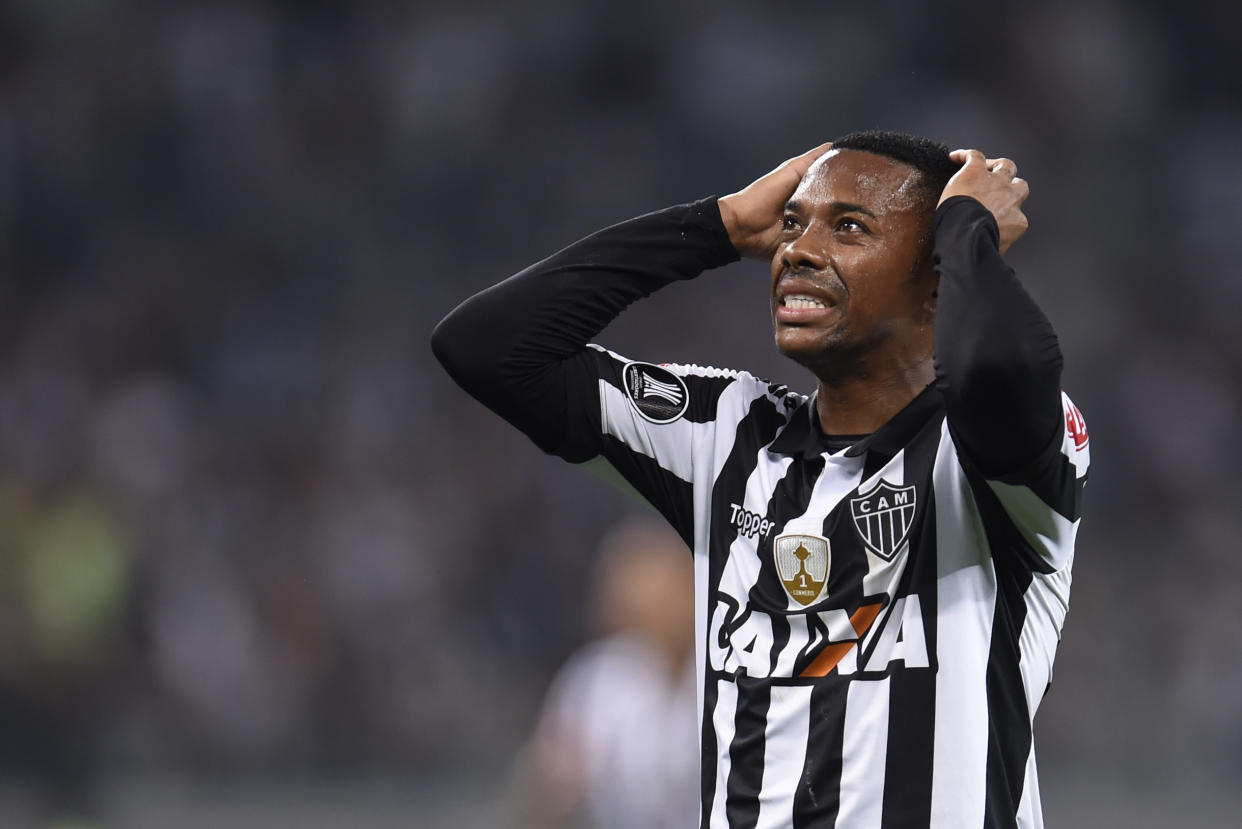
{"points": [[929, 157]]}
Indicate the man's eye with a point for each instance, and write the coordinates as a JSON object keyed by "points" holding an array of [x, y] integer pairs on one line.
{"points": [[851, 225], [789, 223]]}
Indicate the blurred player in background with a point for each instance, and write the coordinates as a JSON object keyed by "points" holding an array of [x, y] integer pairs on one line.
{"points": [[616, 746]]}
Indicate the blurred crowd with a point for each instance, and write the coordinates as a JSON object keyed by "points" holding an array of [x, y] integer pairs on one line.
{"points": [[247, 524]]}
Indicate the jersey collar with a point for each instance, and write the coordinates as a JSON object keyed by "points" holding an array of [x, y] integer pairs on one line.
{"points": [[804, 436]]}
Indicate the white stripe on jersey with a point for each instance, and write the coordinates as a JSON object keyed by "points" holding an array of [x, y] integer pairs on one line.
{"points": [[865, 749], [840, 477], [702, 580], [722, 718], [1047, 602], [966, 596], [1046, 529], [784, 753], [1030, 809]]}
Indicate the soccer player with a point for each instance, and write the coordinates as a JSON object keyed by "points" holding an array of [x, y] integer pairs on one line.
{"points": [[882, 567], [614, 744]]}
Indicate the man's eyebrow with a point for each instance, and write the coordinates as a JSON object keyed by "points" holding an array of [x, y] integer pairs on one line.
{"points": [[796, 206], [847, 207]]}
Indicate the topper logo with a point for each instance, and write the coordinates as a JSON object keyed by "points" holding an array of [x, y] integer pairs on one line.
{"points": [[749, 523]]}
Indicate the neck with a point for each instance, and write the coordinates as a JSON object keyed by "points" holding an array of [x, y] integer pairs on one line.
{"points": [[863, 401]]}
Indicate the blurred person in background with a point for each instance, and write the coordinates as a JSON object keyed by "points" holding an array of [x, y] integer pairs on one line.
{"points": [[615, 744], [64, 584]]}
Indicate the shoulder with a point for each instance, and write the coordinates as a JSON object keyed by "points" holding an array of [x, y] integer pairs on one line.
{"points": [[666, 391], [733, 390]]}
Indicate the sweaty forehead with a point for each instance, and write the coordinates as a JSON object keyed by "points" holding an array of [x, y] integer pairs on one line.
{"points": [[882, 185]]}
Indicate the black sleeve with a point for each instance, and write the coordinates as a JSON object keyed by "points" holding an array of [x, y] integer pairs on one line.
{"points": [[998, 363], [514, 346]]}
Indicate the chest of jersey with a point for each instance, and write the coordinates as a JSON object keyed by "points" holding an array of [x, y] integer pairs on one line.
{"points": [[815, 569]]}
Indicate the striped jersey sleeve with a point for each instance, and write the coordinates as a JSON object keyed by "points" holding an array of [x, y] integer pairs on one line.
{"points": [[1034, 513], [657, 425]]}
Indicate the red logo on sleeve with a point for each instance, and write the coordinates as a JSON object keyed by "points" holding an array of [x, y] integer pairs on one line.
{"points": [[1076, 426]]}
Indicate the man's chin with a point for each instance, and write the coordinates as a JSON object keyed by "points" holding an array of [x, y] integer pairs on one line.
{"points": [[800, 348], [823, 354], [800, 343]]}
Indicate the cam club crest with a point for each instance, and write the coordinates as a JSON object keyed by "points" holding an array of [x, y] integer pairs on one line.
{"points": [[883, 517], [656, 393], [802, 564]]}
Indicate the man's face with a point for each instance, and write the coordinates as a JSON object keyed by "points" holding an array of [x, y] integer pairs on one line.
{"points": [[844, 281]]}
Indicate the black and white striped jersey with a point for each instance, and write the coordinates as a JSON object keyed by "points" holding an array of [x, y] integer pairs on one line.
{"points": [[876, 625], [876, 617]]}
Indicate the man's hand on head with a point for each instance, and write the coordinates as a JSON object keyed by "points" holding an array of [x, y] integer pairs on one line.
{"points": [[994, 183], [753, 215]]}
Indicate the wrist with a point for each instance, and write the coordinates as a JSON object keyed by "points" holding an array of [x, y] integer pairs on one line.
{"points": [[729, 218], [749, 241]]}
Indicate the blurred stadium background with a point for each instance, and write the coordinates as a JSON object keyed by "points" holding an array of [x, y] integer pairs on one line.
{"points": [[261, 564]]}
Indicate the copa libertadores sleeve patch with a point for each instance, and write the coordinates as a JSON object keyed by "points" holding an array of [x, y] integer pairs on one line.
{"points": [[656, 393]]}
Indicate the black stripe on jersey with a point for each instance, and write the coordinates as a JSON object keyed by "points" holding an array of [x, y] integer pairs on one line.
{"points": [[754, 431], [911, 747], [1009, 719], [668, 493], [746, 752], [873, 463], [909, 759], [849, 562], [818, 797], [705, 395], [1004, 537]]}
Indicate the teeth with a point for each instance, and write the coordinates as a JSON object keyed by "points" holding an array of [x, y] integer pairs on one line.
{"points": [[801, 301]]}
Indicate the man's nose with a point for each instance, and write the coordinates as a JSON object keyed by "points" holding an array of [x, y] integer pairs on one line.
{"points": [[804, 253]]}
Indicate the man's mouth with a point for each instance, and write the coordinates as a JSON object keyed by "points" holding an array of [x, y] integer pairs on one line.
{"points": [[799, 301]]}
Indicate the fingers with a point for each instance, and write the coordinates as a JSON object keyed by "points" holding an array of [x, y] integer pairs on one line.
{"points": [[802, 163], [965, 157], [752, 215], [1004, 166], [994, 183], [818, 151]]}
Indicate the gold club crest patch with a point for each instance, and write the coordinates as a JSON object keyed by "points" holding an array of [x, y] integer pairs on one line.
{"points": [[802, 564]]}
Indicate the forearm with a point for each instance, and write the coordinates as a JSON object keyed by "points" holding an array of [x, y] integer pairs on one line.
{"points": [[998, 363], [508, 345]]}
